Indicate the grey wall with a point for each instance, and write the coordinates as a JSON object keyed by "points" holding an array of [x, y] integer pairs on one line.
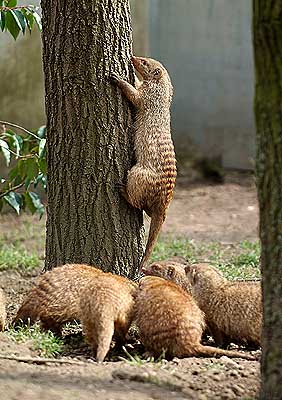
{"points": [[21, 97], [206, 46]]}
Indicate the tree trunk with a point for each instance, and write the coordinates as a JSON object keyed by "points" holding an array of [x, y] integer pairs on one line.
{"points": [[89, 143], [267, 26]]}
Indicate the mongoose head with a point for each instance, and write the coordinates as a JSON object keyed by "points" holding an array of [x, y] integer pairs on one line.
{"points": [[203, 275], [154, 74], [171, 270], [149, 69]]}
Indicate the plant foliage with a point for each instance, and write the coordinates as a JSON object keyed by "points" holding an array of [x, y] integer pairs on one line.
{"points": [[25, 156], [16, 19]]}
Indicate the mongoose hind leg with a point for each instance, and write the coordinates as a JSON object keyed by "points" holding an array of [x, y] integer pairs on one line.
{"points": [[140, 186]]}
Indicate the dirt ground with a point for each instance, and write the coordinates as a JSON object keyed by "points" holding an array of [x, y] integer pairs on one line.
{"points": [[201, 211]]}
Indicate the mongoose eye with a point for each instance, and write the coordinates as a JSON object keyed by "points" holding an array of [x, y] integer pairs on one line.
{"points": [[157, 72], [143, 62], [170, 272]]}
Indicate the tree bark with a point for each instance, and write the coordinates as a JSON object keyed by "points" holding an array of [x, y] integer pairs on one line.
{"points": [[89, 142], [267, 25]]}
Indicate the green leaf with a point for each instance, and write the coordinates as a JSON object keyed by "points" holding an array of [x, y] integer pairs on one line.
{"points": [[14, 200], [41, 149], [2, 20], [21, 19], [41, 178], [16, 18], [42, 165], [12, 25], [5, 149], [27, 183], [41, 132], [29, 19], [29, 203], [37, 203], [31, 168], [22, 168], [18, 143], [12, 3], [37, 20]]}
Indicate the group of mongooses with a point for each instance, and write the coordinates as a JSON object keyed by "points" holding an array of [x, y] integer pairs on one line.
{"points": [[175, 303], [169, 318]]}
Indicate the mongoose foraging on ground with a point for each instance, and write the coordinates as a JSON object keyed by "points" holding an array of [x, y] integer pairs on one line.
{"points": [[106, 309], [233, 310], [2, 310], [54, 300], [169, 320], [171, 270], [150, 183]]}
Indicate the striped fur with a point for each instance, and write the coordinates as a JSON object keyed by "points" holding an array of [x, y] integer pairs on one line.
{"points": [[150, 183]]}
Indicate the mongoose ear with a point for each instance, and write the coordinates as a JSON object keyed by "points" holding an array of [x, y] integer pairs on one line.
{"points": [[187, 269], [156, 267]]}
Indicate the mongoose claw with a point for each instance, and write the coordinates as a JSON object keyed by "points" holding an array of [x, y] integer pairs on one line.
{"points": [[114, 78], [120, 185]]}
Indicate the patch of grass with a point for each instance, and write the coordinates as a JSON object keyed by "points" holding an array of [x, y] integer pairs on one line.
{"points": [[236, 261], [135, 359], [182, 247], [46, 343], [16, 257]]}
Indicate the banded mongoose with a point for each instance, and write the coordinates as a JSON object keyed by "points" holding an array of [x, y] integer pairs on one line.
{"points": [[233, 310], [2, 310], [170, 321], [150, 183], [54, 300], [106, 309], [172, 270]]}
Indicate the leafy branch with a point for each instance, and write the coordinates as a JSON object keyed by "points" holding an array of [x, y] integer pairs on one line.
{"points": [[16, 19], [25, 155]]}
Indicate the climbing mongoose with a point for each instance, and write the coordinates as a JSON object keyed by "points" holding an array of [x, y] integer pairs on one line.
{"points": [[54, 300], [233, 310], [170, 321], [106, 309], [2, 310], [171, 270], [150, 183]]}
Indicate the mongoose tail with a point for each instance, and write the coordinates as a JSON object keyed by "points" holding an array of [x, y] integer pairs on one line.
{"points": [[157, 220], [209, 351], [105, 336]]}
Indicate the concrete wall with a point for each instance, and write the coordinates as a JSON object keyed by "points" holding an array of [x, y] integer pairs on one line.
{"points": [[207, 48], [21, 93]]}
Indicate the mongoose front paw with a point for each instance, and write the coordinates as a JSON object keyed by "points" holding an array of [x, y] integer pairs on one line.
{"points": [[114, 78]]}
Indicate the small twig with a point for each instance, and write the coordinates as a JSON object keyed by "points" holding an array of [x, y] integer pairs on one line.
{"points": [[29, 7], [3, 194], [19, 156], [21, 128], [40, 360]]}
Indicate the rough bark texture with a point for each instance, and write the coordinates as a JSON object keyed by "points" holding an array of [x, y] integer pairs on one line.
{"points": [[267, 26], [89, 143]]}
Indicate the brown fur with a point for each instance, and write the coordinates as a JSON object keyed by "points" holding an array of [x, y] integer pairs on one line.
{"points": [[2, 310], [233, 309], [106, 309], [169, 320], [54, 300], [171, 270], [151, 181]]}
